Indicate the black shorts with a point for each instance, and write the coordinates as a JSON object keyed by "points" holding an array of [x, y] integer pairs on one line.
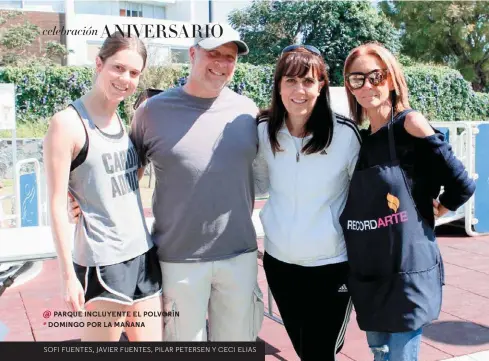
{"points": [[126, 283]]}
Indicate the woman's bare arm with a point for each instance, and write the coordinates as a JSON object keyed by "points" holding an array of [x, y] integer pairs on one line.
{"points": [[59, 145]]}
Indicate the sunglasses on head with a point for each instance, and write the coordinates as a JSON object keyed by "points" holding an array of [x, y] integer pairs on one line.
{"points": [[310, 48], [375, 77]]}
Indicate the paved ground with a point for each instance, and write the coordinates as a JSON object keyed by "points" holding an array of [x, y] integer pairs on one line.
{"points": [[463, 327]]}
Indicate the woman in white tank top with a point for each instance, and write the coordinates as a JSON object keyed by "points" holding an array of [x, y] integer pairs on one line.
{"points": [[111, 276]]}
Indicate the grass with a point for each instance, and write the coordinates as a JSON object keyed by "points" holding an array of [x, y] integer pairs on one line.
{"points": [[7, 183], [27, 130], [6, 204]]}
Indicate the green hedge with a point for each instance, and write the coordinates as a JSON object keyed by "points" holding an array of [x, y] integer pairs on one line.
{"points": [[42, 91], [440, 93]]}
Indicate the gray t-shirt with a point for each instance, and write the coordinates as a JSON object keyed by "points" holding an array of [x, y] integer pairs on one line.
{"points": [[202, 151]]}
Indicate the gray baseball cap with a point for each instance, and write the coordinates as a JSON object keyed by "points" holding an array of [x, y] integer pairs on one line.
{"points": [[229, 35]]}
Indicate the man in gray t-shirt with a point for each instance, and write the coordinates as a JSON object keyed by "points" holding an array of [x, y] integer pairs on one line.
{"points": [[202, 140]]}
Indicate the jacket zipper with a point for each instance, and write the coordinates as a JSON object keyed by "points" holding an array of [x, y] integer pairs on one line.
{"points": [[297, 160]]}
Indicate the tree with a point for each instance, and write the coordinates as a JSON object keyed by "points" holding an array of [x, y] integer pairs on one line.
{"points": [[334, 27], [56, 51], [16, 39], [19, 37], [455, 33]]}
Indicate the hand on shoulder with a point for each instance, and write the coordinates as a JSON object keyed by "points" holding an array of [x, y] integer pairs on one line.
{"points": [[417, 125]]}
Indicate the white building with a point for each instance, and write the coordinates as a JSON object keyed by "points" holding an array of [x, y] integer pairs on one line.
{"points": [[93, 19]]}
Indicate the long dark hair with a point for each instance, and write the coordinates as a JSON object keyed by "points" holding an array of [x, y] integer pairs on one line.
{"points": [[320, 123]]}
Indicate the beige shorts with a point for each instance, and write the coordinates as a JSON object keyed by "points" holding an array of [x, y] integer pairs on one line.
{"points": [[225, 291]]}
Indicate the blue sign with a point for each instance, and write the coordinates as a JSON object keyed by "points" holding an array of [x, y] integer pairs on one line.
{"points": [[481, 200], [28, 200], [3, 331]]}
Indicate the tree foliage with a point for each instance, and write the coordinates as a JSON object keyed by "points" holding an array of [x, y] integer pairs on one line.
{"points": [[455, 33], [20, 36], [440, 93], [16, 39], [334, 27]]}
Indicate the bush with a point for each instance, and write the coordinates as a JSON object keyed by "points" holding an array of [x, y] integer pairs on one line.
{"points": [[255, 82], [252, 81], [44, 90], [440, 93], [480, 105], [161, 77]]}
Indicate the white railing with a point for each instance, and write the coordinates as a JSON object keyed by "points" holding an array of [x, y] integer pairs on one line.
{"points": [[462, 137]]}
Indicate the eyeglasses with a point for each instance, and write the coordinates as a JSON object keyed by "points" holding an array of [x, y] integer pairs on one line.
{"points": [[375, 77], [310, 48]]}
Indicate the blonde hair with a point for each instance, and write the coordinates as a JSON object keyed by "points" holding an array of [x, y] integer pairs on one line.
{"points": [[394, 72]]}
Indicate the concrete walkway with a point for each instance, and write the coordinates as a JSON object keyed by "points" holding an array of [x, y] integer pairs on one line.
{"points": [[461, 333]]}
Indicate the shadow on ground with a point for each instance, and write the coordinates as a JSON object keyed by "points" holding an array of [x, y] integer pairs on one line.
{"points": [[460, 333], [271, 350], [454, 229]]}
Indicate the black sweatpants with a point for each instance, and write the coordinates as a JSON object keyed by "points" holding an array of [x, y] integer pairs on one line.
{"points": [[314, 304]]}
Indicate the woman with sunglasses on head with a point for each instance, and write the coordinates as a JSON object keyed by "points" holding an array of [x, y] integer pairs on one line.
{"points": [[305, 158], [396, 269]]}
